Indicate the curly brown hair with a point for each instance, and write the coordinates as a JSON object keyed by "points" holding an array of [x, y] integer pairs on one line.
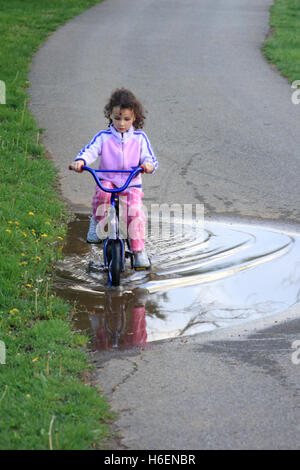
{"points": [[126, 100]]}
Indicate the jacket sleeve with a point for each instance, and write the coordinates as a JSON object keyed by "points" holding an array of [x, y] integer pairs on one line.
{"points": [[91, 152], [147, 154]]}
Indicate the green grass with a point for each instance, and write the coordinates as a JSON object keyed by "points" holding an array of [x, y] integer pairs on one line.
{"points": [[283, 46], [45, 402]]}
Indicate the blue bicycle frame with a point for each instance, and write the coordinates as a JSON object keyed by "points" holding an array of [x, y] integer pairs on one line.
{"points": [[114, 200]]}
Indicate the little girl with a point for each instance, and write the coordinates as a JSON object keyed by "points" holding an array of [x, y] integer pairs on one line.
{"points": [[121, 147]]}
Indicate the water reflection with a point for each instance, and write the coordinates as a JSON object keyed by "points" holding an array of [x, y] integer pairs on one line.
{"points": [[121, 323], [229, 274]]}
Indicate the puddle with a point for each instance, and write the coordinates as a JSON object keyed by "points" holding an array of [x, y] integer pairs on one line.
{"points": [[215, 278]]}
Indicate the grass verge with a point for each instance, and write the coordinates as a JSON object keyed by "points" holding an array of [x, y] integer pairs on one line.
{"points": [[282, 48], [44, 401]]}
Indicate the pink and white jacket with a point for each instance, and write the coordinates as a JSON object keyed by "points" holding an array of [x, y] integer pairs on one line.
{"points": [[119, 153]]}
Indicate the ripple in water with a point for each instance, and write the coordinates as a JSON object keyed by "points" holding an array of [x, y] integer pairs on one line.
{"points": [[200, 281]]}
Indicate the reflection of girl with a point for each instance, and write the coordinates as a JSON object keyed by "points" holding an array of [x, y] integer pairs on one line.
{"points": [[136, 334], [113, 328]]}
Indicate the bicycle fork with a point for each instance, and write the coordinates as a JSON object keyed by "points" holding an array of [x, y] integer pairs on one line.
{"points": [[113, 236]]}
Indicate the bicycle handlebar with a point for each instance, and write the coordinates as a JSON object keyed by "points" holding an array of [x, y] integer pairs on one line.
{"points": [[133, 174]]}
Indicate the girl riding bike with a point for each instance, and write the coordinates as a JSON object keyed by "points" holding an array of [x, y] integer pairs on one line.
{"points": [[122, 147]]}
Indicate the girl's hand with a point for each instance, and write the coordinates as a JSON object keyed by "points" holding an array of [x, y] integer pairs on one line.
{"points": [[147, 167], [76, 166]]}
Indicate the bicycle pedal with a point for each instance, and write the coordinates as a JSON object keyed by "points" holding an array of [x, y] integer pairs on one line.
{"points": [[96, 267], [143, 268]]}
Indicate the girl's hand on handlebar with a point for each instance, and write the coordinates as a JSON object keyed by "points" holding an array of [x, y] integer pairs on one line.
{"points": [[76, 166], [147, 167]]}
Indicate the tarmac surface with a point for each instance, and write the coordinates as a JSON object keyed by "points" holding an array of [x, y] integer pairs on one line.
{"points": [[226, 134], [234, 389]]}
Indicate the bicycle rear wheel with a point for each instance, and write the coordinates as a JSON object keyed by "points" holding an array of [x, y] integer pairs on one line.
{"points": [[114, 259]]}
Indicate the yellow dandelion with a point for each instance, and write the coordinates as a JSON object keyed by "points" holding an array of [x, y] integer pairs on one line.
{"points": [[10, 222], [22, 263], [44, 235], [17, 223], [60, 238], [35, 359], [30, 213], [38, 258], [28, 285], [13, 310], [22, 254], [25, 234], [48, 223], [8, 230], [27, 396]]}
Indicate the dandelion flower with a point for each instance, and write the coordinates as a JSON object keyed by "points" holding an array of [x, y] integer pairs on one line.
{"points": [[35, 359], [30, 213], [44, 235], [13, 310], [27, 396], [8, 230]]}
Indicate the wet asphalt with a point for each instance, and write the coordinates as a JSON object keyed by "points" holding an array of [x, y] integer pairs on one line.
{"points": [[227, 135], [234, 389]]}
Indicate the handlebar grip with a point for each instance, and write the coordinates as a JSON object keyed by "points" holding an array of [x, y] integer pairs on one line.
{"points": [[72, 168]]}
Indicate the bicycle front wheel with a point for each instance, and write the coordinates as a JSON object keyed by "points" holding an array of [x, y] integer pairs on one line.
{"points": [[114, 263]]}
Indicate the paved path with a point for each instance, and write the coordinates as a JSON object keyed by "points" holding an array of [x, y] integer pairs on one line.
{"points": [[223, 126], [220, 118], [234, 389]]}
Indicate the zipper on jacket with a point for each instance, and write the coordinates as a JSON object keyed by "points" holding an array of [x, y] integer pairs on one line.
{"points": [[122, 144]]}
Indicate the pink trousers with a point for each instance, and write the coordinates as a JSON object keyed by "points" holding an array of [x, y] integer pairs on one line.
{"points": [[132, 216]]}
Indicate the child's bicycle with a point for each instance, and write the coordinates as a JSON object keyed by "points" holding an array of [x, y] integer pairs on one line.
{"points": [[114, 251]]}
